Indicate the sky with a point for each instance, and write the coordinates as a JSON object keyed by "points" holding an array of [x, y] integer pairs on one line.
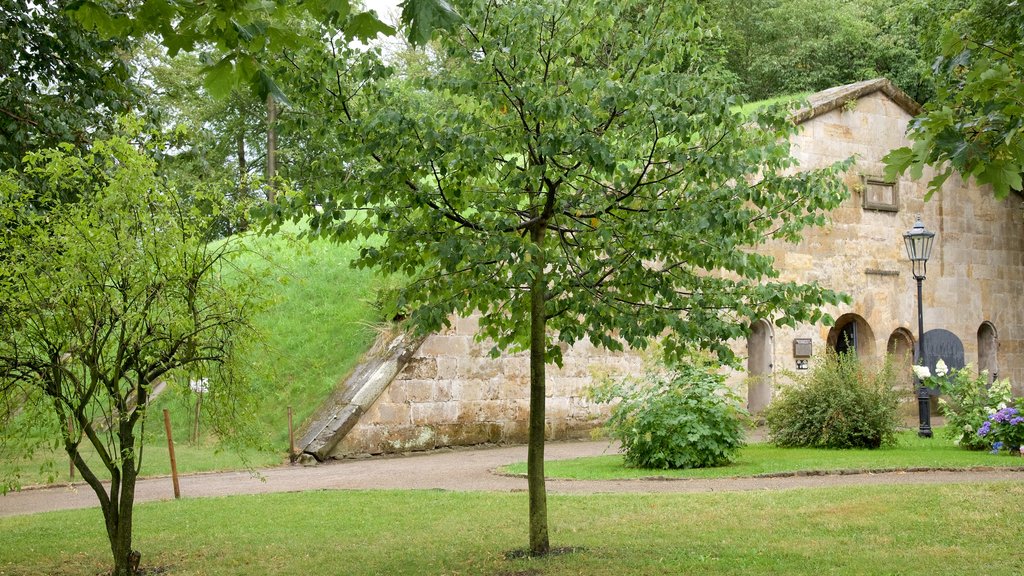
{"points": [[387, 10]]}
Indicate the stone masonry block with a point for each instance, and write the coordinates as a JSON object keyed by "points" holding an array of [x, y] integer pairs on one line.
{"points": [[467, 326], [428, 413], [475, 390], [420, 368], [474, 368], [389, 414], [446, 367], [440, 346]]}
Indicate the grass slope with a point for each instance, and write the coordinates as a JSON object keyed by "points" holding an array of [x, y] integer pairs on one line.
{"points": [[941, 530]]}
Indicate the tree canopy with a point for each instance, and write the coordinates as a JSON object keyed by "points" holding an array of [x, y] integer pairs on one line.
{"points": [[569, 171], [59, 81], [778, 47], [975, 123]]}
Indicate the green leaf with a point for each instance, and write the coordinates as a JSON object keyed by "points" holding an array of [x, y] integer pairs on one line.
{"points": [[366, 26], [897, 162], [1003, 176], [423, 17], [94, 17], [221, 78]]}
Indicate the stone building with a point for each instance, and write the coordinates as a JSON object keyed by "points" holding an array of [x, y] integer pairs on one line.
{"points": [[447, 391]]}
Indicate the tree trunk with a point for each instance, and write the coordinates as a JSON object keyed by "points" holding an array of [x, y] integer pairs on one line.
{"points": [[243, 167], [119, 522], [271, 147], [539, 544]]}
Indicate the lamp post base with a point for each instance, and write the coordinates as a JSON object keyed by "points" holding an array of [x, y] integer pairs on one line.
{"points": [[924, 412]]}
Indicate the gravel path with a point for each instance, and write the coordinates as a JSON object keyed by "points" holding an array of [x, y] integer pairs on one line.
{"points": [[462, 470]]}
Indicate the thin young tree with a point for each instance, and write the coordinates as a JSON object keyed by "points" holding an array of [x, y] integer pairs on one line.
{"points": [[569, 171], [101, 299]]}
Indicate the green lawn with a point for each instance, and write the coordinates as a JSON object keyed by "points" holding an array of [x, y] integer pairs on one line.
{"points": [[760, 458], [939, 530]]}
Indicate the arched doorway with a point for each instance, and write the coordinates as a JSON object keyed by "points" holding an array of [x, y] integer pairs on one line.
{"points": [[760, 362], [988, 350], [852, 333], [901, 347]]}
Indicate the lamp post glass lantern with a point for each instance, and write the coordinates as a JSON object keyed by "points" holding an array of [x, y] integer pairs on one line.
{"points": [[919, 242]]}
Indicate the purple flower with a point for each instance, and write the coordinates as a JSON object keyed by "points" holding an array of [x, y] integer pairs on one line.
{"points": [[996, 447], [1017, 420], [986, 427]]}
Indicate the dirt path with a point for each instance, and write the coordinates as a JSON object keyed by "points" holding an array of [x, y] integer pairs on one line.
{"points": [[461, 470]]}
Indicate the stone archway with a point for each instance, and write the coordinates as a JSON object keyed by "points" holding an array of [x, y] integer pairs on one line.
{"points": [[901, 347], [852, 333], [988, 350], [760, 363]]}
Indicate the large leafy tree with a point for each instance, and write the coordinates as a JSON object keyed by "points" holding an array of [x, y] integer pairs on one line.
{"points": [[569, 171], [975, 123], [59, 81], [101, 299]]}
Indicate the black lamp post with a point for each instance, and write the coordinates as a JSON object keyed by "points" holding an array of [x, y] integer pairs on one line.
{"points": [[919, 247]]}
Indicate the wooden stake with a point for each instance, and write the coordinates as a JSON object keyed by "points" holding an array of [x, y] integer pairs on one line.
{"points": [[195, 423], [71, 460], [291, 437], [170, 449]]}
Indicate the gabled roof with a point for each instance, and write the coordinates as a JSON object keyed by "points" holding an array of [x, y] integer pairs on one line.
{"points": [[833, 98]]}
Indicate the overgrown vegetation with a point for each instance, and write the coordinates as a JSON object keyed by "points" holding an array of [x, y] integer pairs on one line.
{"points": [[841, 403], [680, 416]]}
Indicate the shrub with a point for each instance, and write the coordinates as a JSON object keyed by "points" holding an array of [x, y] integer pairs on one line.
{"points": [[678, 417], [1004, 428], [968, 402], [840, 403]]}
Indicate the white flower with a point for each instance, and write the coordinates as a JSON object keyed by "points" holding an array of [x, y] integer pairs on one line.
{"points": [[1001, 405], [921, 372], [940, 368], [968, 428]]}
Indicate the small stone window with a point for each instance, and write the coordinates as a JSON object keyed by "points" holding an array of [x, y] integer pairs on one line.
{"points": [[879, 194]]}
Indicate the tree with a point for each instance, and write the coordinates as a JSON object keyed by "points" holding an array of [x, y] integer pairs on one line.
{"points": [[101, 299], [239, 36], [975, 123], [217, 141], [570, 171], [58, 80], [777, 47]]}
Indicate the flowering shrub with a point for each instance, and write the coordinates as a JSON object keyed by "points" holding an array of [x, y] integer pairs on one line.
{"points": [[840, 403], [968, 403], [1004, 428], [684, 417]]}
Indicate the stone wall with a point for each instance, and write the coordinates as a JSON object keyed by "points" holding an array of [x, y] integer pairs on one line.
{"points": [[453, 394]]}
